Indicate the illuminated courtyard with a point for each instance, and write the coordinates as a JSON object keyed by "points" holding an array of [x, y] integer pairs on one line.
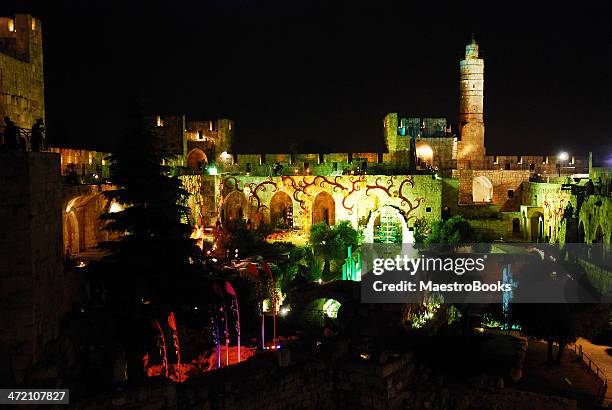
{"points": [[196, 263]]}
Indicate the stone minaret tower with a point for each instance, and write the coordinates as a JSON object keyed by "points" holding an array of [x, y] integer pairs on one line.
{"points": [[471, 150]]}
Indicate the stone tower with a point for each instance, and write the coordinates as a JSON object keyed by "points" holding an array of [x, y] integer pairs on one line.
{"points": [[21, 70], [471, 150]]}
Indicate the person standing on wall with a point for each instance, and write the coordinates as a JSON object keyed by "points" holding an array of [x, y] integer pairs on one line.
{"points": [[38, 137], [10, 135]]}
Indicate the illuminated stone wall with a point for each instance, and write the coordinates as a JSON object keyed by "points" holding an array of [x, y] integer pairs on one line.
{"points": [[393, 141], [471, 148], [82, 206], [506, 186], [86, 163], [545, 165], [444, 152], [21, 70], [203, 198], [354, 197], [551, 200], [596, 216], [432, 131], [602, 176]]}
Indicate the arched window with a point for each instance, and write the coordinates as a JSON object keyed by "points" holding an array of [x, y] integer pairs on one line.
{"points": [[482, 190], [281, 210], [196, 158], [424, 154], [516, 226], [324, 209]]}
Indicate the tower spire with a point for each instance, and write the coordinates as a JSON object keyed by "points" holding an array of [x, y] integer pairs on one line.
{"points": [[471, 49], [471, 106]]}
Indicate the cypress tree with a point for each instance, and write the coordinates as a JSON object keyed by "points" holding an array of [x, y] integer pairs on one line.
{"points": [[154, 246]]}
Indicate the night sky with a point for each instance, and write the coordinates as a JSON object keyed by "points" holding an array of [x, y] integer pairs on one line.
{"points": [[321, 75]]}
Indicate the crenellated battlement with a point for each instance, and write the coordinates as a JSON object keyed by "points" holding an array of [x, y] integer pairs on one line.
{"points": [[21, 70], [21, 38]]}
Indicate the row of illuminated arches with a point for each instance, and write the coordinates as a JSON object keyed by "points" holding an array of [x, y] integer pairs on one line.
{"points": [[236, 207], [598, 236]]}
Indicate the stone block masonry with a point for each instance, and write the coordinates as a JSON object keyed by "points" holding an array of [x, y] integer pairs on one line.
{"points": [[31, 261], [21, 70], [393, 382], [506, 187], [313, 199]]}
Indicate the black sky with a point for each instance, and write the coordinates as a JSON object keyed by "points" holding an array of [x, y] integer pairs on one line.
{"points": [[326, 72]]}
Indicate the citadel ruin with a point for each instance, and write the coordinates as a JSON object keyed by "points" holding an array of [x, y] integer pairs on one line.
{"points": [[430, 171]]}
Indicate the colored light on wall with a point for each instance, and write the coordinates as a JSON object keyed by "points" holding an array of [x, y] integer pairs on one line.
{"points": [[330, 307], [351, 269]]}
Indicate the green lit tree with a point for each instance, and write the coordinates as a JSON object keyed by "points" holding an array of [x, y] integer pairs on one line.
{"points": [[453, 231], [154, 245], [331, 243], [421, 230], [322, 243]]}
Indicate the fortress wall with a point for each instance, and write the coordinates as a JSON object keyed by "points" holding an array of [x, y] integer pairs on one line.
{"points": [[308, 163], [32, 282], [596, 211], [502, 181], [552, 201], [353, 201], [341, 158], [21, 71], [444, 151], [546, 165], [311, 159], [280, 158], [370, 157]]}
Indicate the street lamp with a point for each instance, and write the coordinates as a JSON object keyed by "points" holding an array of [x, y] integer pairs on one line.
{"points": [[562, 157]]}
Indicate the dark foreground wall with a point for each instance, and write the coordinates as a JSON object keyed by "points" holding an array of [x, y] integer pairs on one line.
{"points": [[31, 265], [322, 383]]}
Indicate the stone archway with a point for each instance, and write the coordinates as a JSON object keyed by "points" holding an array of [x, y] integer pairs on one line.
{"points": [[424, 154], [324, 209], [234, 207], [598, 240], [516, 226], [72, 243], [82, 227], [281, 210], [344, 293], [196, 158], [536, 224], [599, 237], [482, 190], [388, 212]]}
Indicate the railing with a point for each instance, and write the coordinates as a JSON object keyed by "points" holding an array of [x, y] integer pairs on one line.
{"points": [[596, 370], [24, 133]]}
